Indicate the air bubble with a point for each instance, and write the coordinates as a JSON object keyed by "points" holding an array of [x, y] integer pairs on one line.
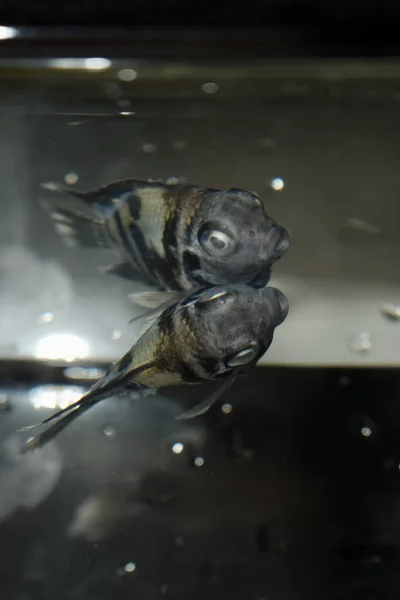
{"points": [[199, 461], [110, 432], [177, 448], [392, 311], [366, 431], [46, 317], [361, 343], [127, 74], [277, 184], [71, 178], [226, 409], [209, 88]]}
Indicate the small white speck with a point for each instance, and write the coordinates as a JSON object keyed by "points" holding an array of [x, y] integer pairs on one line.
{"points": [[209, 88], [392, 311], [366, 431], [164, 589], [344, 380], [127, 74], [110, 432], [116, 334], [361, 343], [226, 409], [149, 148], [277, 184], [130, 567], [71, 178], [179, 542], [46, 317], [177, 448], [199, 461], [126, 113]]}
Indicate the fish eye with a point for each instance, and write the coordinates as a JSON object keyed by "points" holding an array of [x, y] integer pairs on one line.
{"points": [[211, 295], [216, 242], [244, 356]]}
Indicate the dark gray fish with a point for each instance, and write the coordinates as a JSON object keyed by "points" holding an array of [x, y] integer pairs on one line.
{"points": [[215, 333], [174, 236]]}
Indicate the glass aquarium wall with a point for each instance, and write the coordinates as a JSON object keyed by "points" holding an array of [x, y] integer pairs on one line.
{"points": [[288, 488], [318, 141]]}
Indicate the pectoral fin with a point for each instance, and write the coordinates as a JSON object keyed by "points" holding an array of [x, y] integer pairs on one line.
{"points": [[151, 299], [157, 302], [204, 406]]}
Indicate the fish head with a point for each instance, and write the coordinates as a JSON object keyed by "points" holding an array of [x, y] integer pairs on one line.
{"points": [[232, 239], [232, 326]]}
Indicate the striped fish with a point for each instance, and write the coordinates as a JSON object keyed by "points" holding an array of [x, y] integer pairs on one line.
{"points": [[175, 237], [215, 333]]}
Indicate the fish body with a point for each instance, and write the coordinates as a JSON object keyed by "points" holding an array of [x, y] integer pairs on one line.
{"points": [[214, 333], [177, 237]]}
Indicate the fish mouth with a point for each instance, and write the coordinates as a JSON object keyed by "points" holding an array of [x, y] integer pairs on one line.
{"points": [[278, 242], [278, 303]]}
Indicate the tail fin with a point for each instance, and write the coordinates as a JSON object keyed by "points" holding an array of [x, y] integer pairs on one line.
{"points": [[78, 223], [60, 420], [109, 384]]}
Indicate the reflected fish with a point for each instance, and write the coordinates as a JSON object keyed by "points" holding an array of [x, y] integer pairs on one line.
{"points": [[214, 333], [176, 237]]}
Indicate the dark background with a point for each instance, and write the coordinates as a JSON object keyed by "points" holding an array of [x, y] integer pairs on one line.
{"points": [[292, 501], [269, 27]]}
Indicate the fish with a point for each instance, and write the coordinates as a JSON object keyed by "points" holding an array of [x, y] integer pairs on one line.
{"points": [[215, 333], [173, 237]]}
